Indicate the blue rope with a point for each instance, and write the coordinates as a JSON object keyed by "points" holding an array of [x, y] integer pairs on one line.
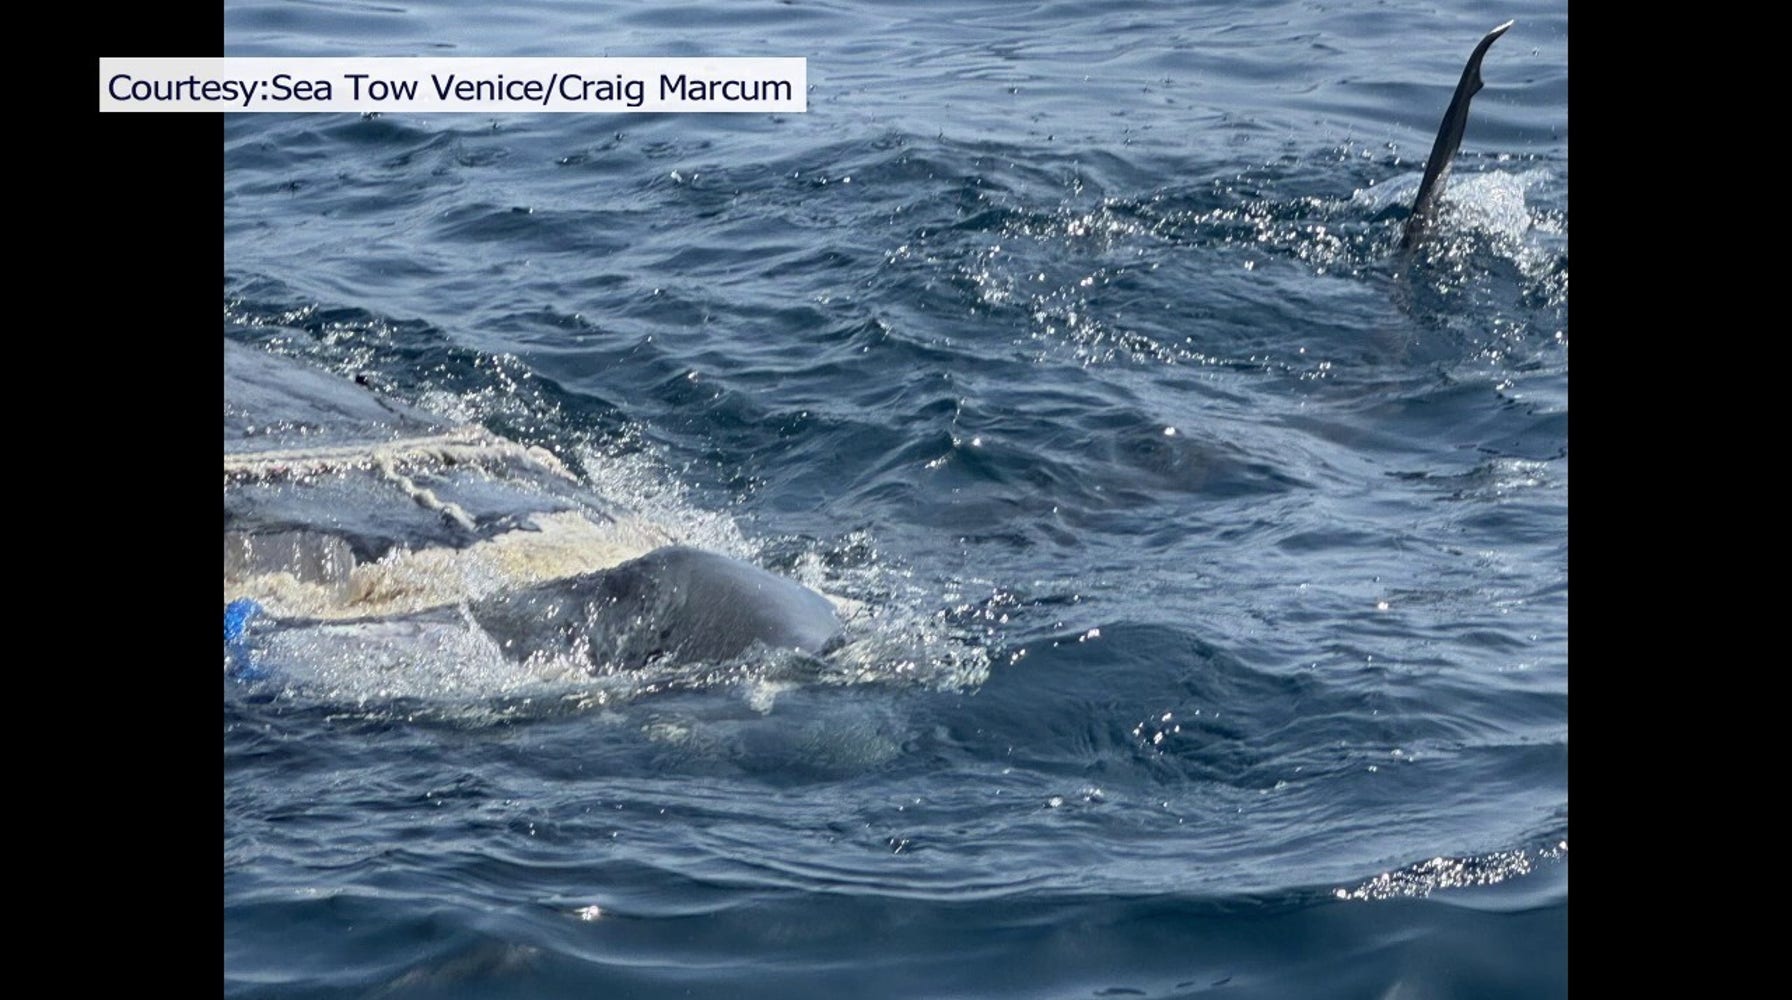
{"points": [[237, 616]]}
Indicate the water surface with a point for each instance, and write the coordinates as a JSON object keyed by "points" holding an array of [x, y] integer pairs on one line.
{"points": [[1214, 559]]}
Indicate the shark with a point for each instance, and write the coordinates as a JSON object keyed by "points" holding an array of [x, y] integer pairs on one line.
{"points": [[1448, 141], [345, 507]]}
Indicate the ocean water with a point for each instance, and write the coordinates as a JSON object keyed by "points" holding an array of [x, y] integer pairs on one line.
{"points": [[1212, 558]]}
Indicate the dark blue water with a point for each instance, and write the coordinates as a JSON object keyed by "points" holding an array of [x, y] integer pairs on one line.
{"points": [[1213, 561]]}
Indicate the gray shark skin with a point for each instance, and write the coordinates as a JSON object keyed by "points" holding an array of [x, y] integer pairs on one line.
{"points": [[341, 506], [1449, 140], [307, 452], [675, 604]]}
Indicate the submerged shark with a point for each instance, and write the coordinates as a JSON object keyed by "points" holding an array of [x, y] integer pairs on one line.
{"points": [[1449, 140], [342, 506]]}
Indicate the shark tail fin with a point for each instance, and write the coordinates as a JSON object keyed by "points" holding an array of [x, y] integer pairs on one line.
{"points": [[1449, 139]]}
